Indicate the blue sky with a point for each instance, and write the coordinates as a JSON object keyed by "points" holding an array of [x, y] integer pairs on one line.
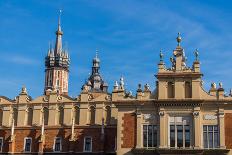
{"points": [[128, 34]]}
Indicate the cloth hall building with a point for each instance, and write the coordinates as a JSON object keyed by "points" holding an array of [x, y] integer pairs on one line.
{"points": [[178, 117]]}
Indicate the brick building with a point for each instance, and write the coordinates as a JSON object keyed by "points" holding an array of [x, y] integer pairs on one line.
{"points": [[178, 117]]}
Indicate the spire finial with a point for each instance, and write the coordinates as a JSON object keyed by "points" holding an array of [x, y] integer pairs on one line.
{"points": [[178, 39], [196, 54], [60, 12], [96, 55], [161, 55]]}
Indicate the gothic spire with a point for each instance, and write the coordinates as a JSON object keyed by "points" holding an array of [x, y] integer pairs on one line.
{"points": [[59, 33]]}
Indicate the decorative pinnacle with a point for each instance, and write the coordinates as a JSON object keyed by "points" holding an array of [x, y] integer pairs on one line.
{"points": [[178, 39], [161, 55], [196, 54], [59, 32]]}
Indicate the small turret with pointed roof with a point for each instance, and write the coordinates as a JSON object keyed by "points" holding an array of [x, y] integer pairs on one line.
{"points": [[95, 82], [57, 64]]}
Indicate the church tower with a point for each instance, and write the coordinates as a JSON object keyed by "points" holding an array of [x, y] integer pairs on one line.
{"points": [[57, 66]]}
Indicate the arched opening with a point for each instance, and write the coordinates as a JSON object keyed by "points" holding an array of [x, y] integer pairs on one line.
{"points": [[171, 90], [188, 90]]}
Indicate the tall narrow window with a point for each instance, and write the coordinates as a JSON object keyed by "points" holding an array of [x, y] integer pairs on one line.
{"points": [[92, 115], [108, 114], [77, 115], [171, 90], [211, 136], [29, 116], [15, 115], [1, 117], [57, 147], [46, 115], [149, 136], [88, 144], [57, 83], [188, 90], [27, 144], [61, 115], [1, 143], [179, 132]]}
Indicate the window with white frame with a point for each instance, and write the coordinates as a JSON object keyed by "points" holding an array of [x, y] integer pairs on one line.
{"points": [[1, 143], [88, 144], [211, 136], [149, 136], [179, 132], [57, 147], [27, 144]]}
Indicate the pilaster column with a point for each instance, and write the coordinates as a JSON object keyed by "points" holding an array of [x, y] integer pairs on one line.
{"points": [[197, 128], [221, 128], [163, 134], [139, 131]]}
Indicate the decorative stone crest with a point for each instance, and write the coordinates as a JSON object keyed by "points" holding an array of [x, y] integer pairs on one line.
{"points": [[59, 98], [45, 98], [108, 97], [196, 113], [90, 97], [209, 117], [161, 113], [149, 116]]}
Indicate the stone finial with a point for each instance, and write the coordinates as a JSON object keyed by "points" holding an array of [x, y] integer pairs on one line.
{"points": [[24, 90], [146, 87], [116, 85], [139, 88], [85, 88], [220, 85], [213, 85], [122, 83], [230, 92], [196, 55], [178, 39], [161, 56]]}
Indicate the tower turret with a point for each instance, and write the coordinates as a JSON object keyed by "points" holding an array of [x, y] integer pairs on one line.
{"points": [[57, 65], [95, 83]]}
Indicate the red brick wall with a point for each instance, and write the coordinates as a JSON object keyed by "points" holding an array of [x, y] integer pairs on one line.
{"points": [[50, 134], [129, 130], [228, 130]]}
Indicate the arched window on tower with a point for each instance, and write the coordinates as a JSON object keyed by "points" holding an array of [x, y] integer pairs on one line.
{"points": [[107, 115], [92, 115], [188, 89], [171, 90]]}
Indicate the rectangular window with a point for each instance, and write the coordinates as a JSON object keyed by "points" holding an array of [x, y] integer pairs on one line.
{"points": [[179, 132], [1, 143], [27, 144], [88, 144], [149, 136], [57, 144], [211, 136]]}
